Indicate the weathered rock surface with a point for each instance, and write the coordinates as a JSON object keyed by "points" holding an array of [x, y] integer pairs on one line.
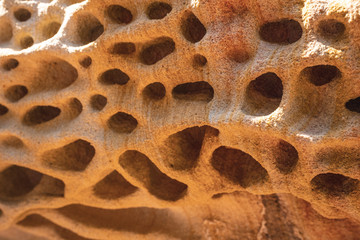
{"points": [[183, 119]]}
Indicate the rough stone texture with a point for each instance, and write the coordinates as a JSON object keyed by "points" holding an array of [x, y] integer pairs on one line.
{"points": [[183, 119]]}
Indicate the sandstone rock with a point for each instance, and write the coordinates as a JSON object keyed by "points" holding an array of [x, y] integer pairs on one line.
{"points": [[179, 119]]}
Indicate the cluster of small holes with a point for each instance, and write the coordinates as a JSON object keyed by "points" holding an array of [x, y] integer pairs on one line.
{"points": [[182, 149]]}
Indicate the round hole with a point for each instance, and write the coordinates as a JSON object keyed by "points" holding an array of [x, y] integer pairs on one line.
{"points": [[263, 95], [10, 64], [51, 29], [122, 123], [192, 29], [334, 185], [157, 50], [114, 76], [331, 28], [22, 14], [16, 92], [281, 32], [26, 42], [321, 74], [98, 102], [158, 10], [89, 28], [353, 105], [85, 61], [3, 110], [199, 60], [154, 91], [40, 114], [119, 14]]}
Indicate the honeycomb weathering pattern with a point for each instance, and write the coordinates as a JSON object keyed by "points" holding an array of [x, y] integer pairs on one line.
{"points": [[183, 119]]}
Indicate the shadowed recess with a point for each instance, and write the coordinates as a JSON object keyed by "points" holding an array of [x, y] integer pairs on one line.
{"points": [[113, 186], [26, 42], [122, 123], [3, 110], [334, 185], [75, 108], [54, 74], [160, 185], [331, 29], [321, 74], [123, 48], [50, 29], [98, 102], [154, 91], [114, 76], [10, 64], [263, 95], [182, 149], [137, 220], [89, 28], [194, 91], [192, 29], [22, 14], [353, 105], [12, 142], [238, 166], [158, 10], [119, 14], [157, 50], [16, 181], [286, 31], [199, 60], [16, 92], [38, 221], [85, 61], [40, 114], [74, 156], [6, 31], [286, 157]]}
